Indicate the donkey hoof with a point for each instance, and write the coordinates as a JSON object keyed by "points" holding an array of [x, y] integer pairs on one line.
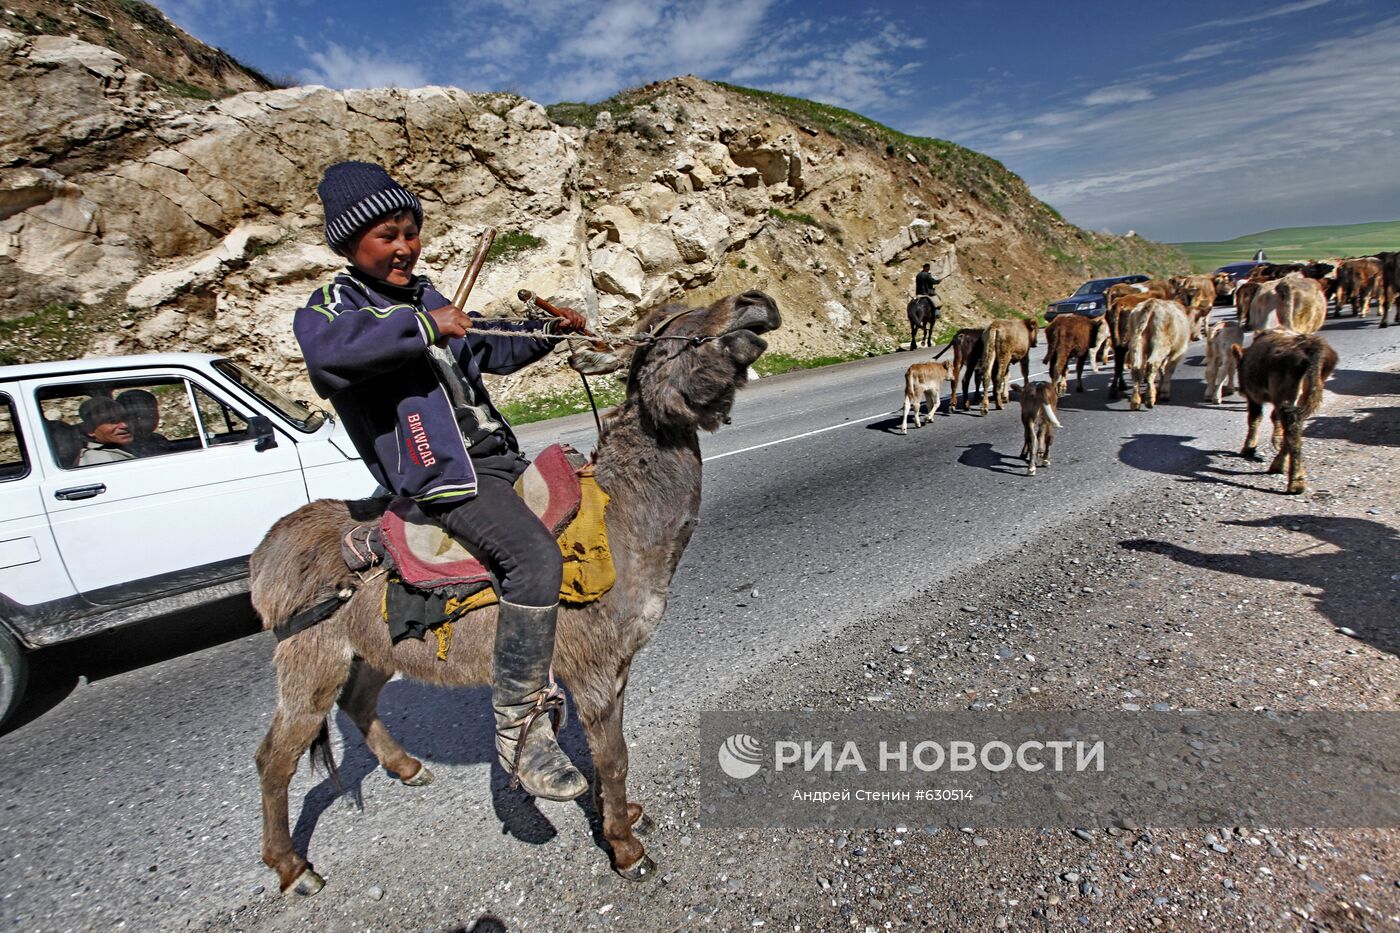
{"points": [[643, 825], [308, 884], [642, 870], [422, 778]]}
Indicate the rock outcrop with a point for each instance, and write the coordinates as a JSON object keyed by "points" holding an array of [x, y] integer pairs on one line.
{"points": [[176, 228]]}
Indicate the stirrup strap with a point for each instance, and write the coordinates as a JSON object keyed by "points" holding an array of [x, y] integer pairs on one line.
{"points": [[550, 700]]}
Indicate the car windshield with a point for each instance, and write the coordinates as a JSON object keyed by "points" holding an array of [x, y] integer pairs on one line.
{"points": [[303, 416], [1094, 287]]}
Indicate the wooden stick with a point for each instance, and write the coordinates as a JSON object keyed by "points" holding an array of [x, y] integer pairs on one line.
{"points": [[464, 288]]}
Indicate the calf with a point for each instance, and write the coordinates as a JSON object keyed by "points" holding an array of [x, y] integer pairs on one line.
{"points": [[1287, 371], [1038, 403], [1390, 284], [967, 360], [1359, 281], [1071, 337], [1220, 362], [1244, 294], [1296, 302], [922, 380], [1158, 332], [1003, 343], [1195, 293], [1116, 322]]}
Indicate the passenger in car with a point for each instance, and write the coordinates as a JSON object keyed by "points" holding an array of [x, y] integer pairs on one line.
{"points": [[143, 417], [104, 425]]}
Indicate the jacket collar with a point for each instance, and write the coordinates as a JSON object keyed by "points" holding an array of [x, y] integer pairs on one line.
{"points": [[412, 293]]}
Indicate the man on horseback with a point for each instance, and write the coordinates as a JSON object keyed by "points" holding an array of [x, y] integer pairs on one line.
{"points": [[404, 371], [924, 282]]}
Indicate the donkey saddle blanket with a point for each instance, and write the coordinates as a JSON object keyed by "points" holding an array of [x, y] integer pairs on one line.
{"points": [[434, 579]]}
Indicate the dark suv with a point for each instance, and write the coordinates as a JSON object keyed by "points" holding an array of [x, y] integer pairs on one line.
{"points": [[1088, 299]]}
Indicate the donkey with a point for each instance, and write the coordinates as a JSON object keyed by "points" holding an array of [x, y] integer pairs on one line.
{"points": [[1286, 370], [923, 314], [1003, 343], [648, 461]]}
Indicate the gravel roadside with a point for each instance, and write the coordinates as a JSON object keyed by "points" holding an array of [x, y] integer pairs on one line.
{"points": [[1207, 590]]}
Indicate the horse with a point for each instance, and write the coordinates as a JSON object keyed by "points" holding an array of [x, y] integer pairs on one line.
{"points": [[922, 315], [680, 381]]}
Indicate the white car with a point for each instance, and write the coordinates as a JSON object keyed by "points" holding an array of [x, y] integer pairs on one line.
{"points": [[103, 525]]}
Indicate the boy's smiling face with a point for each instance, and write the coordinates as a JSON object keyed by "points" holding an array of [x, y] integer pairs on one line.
{"points": [[387, 249]]}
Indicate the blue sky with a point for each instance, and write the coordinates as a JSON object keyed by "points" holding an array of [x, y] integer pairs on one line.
{"points": [[1183, 120]]}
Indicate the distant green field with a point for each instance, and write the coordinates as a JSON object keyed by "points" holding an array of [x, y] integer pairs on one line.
{"points": [[1290, 243]]}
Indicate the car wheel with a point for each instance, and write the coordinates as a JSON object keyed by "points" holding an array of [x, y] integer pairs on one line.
{"points": [[14, 672]]}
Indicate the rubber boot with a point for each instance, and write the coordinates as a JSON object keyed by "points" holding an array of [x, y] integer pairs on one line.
{"points": [[528, 711]]}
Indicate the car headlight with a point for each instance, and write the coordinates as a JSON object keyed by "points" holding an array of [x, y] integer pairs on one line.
{"points": [[1086, 306]]}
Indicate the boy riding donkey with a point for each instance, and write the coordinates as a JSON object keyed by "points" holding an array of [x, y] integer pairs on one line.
{"points": [[399, 362]]}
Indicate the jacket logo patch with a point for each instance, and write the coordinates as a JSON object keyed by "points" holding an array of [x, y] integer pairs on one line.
{"points": [[419, 449]]}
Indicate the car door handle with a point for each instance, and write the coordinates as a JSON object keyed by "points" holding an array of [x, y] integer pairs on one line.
{"points": [[80, 492]]}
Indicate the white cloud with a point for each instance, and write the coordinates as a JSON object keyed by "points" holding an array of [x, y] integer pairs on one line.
{"points": [[339, 67], [1283, 10], [1207, 50], [1120, 94]]}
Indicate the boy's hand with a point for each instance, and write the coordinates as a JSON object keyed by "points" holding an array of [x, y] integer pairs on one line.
{"points": [[451, 321], [570, 322]]}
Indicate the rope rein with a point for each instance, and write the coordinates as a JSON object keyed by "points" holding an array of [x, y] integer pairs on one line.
{"points": [[631, 340]]}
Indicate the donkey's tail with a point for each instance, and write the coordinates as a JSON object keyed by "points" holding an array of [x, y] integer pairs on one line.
{"points": [[323, 756]]}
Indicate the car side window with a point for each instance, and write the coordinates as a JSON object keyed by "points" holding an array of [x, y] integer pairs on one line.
{"points": [[118, 420], [14, 463], [221, 423]]}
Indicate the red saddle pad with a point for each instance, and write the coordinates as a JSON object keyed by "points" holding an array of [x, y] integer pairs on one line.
{"points": [[428, 557]]}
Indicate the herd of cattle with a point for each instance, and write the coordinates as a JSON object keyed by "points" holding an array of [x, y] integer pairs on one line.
{"points": [[1147, 328]]}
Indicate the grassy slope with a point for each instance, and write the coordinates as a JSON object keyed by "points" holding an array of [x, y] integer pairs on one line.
{"points": [[1289, 243]]}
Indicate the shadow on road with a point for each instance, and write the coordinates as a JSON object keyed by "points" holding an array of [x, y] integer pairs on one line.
{"points": [[1171, 454], [1363, 382], [984, 457], [1354, 579], [55, 672]]}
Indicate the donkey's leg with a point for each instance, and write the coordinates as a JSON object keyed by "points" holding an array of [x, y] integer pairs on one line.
{"points": [[360, 700], [308, 682], [620, 818]]}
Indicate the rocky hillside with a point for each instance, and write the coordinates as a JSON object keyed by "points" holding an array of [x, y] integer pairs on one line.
{"points": [[132, 222]]}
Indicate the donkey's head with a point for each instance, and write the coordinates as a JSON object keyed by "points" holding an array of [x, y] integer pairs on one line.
{"points": [[687, 376]]}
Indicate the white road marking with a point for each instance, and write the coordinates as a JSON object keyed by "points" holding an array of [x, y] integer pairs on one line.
{"points": [[844, 424]]}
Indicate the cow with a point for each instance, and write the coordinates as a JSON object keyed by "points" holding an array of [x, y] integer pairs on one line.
{"points": [[1390, 284], [1195, 293], [1116, 321], [1005, 342], [1244, 294], [1287, 371], [922, 381], [1359, 281], [923, 314], [1158, 333], [1224, 284], [1295, 301], [1220, 362], [1038, 420], [967, 361], [1071, 337]]}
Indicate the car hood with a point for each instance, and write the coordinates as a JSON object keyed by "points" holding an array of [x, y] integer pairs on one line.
{"points": [[1079, 299]]}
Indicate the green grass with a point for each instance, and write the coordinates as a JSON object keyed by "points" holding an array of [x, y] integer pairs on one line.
{"points": [[185, 89], [607, 391], [512, 243], [775, 364], [1295, 243], [573, 113], [793, 217]]}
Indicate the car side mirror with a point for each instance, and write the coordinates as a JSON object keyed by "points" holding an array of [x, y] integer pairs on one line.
{"points": [[265, 437]]}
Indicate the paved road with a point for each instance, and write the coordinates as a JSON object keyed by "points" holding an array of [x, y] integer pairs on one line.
{"points": [[129, 792]]}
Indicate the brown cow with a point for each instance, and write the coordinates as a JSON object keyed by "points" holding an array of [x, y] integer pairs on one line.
{"points": [[967, 360], [1390, 284], [1297, 302], [1359, 281], [1039, 422], [1287, 371], [1116, 320], [1003, 343], [922, 381], [1158, 333], [1244, 294], [1195, 293], [1071, 337], [1224, 284]]}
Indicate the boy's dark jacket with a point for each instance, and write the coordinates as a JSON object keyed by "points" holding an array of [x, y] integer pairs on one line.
{"points": [[366, 347]]}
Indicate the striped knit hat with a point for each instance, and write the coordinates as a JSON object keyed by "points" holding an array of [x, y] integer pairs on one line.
{"points": [[355, 194]]}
